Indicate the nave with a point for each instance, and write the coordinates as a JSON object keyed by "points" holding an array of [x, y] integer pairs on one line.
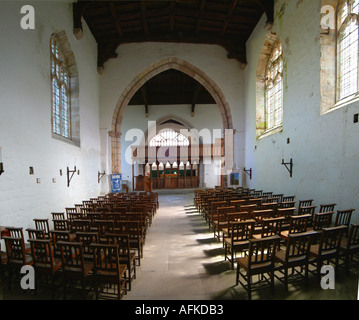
{"points": [[183, 261]]}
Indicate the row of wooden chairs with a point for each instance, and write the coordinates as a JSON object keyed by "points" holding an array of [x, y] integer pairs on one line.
{"points": [[277, 238], [74, 245], [75, 261]]}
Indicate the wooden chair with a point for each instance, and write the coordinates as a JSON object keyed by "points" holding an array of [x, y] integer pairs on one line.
{"points": [[305, 203], [60, 235], [87, 238], [44, 261], [328, 248], [17, 232], [61, 224], [16, 255], [327, 207], [286, 213], [259, 216], [3, 263], [298, 224], [221, 221], [81, 225], [296, 254], [308, 210], [108, 270], [350, 246], [126, 256], [260, 261], [43, 224], [322, 220], [58, 215], [36, 234], [344, 217], [133, 229], [75, 268], [270, 227], [238, 239], [249, 208]]}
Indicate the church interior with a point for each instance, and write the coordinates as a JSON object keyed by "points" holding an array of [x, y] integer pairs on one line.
{"points": [[211, 145]]}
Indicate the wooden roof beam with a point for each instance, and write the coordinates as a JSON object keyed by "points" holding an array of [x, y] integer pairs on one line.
{"points": [[229, 16], [115, 18], [144, 18], [201, 10]]}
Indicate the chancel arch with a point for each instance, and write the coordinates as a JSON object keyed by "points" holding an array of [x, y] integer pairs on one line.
{"points": [[153, 70]]}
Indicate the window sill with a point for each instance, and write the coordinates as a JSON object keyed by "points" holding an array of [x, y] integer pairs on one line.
{"points": [[270, 132], [343, 103], [63, 139]]}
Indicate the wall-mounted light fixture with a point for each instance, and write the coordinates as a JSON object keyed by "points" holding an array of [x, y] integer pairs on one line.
{"points": [[289, 166], [248, 172], [100, 176], [70, 174], [1, 163]]}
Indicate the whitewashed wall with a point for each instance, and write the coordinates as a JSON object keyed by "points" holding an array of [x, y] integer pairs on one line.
{"points": [[324, 148], [25, 118]]}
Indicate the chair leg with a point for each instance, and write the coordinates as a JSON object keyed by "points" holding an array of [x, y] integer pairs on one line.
{"points": [[286, 278], [249, 286]]}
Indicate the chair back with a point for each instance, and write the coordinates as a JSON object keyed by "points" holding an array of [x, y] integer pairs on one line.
{"points": [[15, 232], [60, 224], [36, 233], [42, 253], [330, 240], [322, 220], [58, 215], [343, 217], [43, 224], [286, 213], [305, 203], [15, 248], [87, 238], [123, 242], [81, 225], [271, 227], [298, 246], [353, 237], [106, 259], [327, 207], [72, 256], [299, 224], [242, 230], [261, 253]]}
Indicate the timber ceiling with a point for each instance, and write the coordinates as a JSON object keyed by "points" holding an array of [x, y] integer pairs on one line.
{"points": [[227, 23]]}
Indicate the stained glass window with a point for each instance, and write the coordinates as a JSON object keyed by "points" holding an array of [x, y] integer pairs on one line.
{"points": [[169, 138], [348, 49], [274, 88], [60, 91]]}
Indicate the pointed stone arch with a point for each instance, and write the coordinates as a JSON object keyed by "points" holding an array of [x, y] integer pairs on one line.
{"points": [[141, 79]]}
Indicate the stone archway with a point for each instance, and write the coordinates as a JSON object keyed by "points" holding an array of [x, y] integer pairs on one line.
{"points": [[141, 79]]}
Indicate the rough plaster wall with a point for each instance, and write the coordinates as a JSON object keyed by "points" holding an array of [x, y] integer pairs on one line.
{"points": [[324, 148], [25, 122]]}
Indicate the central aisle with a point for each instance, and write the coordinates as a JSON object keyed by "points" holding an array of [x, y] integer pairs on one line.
{"points": [[182, 261]]}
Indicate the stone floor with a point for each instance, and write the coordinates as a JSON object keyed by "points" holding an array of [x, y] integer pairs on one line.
{"points": [[182, 261]]}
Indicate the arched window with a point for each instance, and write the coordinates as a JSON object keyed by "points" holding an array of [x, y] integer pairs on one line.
{"points": [[169, 138], [274, 88], [60, 89], [348, 49]]}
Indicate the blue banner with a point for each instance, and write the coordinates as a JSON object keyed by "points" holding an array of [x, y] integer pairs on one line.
{"points": [[116, 183]]}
